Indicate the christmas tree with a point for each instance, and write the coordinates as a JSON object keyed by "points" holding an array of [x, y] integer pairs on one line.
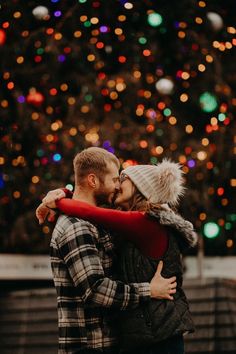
{"points": [[143, 79]]}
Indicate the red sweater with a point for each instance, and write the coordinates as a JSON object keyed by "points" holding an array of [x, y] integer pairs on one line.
{"points": [[137, 227]]}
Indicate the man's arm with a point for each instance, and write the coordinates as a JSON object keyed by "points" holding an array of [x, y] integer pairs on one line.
{"points": [[80, 253]]}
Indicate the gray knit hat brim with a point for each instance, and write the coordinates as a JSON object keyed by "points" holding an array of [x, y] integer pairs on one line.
{"points": [[159, 184]]}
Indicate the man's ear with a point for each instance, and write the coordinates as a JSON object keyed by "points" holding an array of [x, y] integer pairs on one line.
{"points": [[92, 180]]}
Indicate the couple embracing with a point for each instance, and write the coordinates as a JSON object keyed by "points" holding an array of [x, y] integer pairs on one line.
{"points": [[118, 273]]}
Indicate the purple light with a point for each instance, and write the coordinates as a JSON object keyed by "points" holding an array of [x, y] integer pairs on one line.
{"points": [[176, 24], [123, 145], [21, 99], [153, 114], [191, 163], [104, 29], [57, 13], [61, 58], [55, 0], [106, 144], [111, 149]]}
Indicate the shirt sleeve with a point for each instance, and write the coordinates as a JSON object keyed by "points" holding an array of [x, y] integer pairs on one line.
{"points": [[78, 248], [67, 192], [136, 226]]}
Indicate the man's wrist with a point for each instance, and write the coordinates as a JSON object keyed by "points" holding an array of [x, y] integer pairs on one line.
{"points": [[144, 291]]}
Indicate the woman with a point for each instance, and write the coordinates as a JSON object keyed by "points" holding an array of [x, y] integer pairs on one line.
{"points": [[152, 232]]}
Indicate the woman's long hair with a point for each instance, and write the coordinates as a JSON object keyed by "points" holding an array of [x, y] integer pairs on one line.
{"points": [[140, 203]]}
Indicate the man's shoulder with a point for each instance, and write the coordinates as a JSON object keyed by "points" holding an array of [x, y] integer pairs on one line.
{"points": [[65, 221], [71, 225]]}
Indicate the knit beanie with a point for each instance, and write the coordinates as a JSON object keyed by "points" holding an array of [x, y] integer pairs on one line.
{"points": [[160, 184]]}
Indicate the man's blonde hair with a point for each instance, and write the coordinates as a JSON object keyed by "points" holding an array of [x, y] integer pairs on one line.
{"points": [[93, 160]]}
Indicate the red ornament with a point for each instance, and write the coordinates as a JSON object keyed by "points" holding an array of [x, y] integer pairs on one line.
{"points": [[35, 98], [2, 37]]}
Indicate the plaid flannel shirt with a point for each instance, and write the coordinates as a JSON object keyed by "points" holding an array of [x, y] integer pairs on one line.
{"points": [[81, 260]]}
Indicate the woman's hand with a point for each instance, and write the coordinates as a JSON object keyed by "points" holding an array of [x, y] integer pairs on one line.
{"points": [[162, 288], [52, 197], [45, 209], [43, 212]]}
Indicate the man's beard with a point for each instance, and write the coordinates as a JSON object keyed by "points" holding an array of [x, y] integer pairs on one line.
{"points": [[102, 196]]}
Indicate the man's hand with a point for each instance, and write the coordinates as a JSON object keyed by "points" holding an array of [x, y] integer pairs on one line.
{"points": [[162, 288], [43, 212]]}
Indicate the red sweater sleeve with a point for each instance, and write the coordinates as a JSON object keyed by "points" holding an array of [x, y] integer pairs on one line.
{"points": [[146, 233]]}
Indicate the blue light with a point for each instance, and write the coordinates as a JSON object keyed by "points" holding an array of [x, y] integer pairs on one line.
{"points": [[1, 182], [61, 58], [56, 157], [176, 24]]}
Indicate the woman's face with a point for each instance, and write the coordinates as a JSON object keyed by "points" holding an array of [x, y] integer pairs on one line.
{"points": [[125, 194]]}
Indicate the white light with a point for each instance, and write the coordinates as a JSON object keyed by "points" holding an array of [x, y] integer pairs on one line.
{"points": [[128, 5], [215, 20], [165, 86], [40, 12]]}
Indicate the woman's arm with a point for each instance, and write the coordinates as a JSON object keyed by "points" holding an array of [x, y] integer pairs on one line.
{"points": [[136, 226]]}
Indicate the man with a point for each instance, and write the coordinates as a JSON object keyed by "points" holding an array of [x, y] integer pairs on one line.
{"points": [[82, 265]]}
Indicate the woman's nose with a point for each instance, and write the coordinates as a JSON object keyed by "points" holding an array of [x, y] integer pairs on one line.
{"points": [[117, 186]]}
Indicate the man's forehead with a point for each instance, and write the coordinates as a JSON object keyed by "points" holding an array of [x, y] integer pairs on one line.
{"points": [[113, 169]]}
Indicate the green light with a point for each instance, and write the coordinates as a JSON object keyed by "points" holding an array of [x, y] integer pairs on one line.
{"points": [[70, 187], [228, 226], [40, 51], [48, 175], [40, 153], [208, 102], [153, 160], [233, 217], [142, 40], [163, 30], [167, 112], [87, 24], [216, 170], [159, 132], [82, 1], [221, 117], [88, 98], [154, 19], [211, 230]]}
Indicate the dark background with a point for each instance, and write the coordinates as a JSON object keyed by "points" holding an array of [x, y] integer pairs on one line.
{"points": [[86, 76]]}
